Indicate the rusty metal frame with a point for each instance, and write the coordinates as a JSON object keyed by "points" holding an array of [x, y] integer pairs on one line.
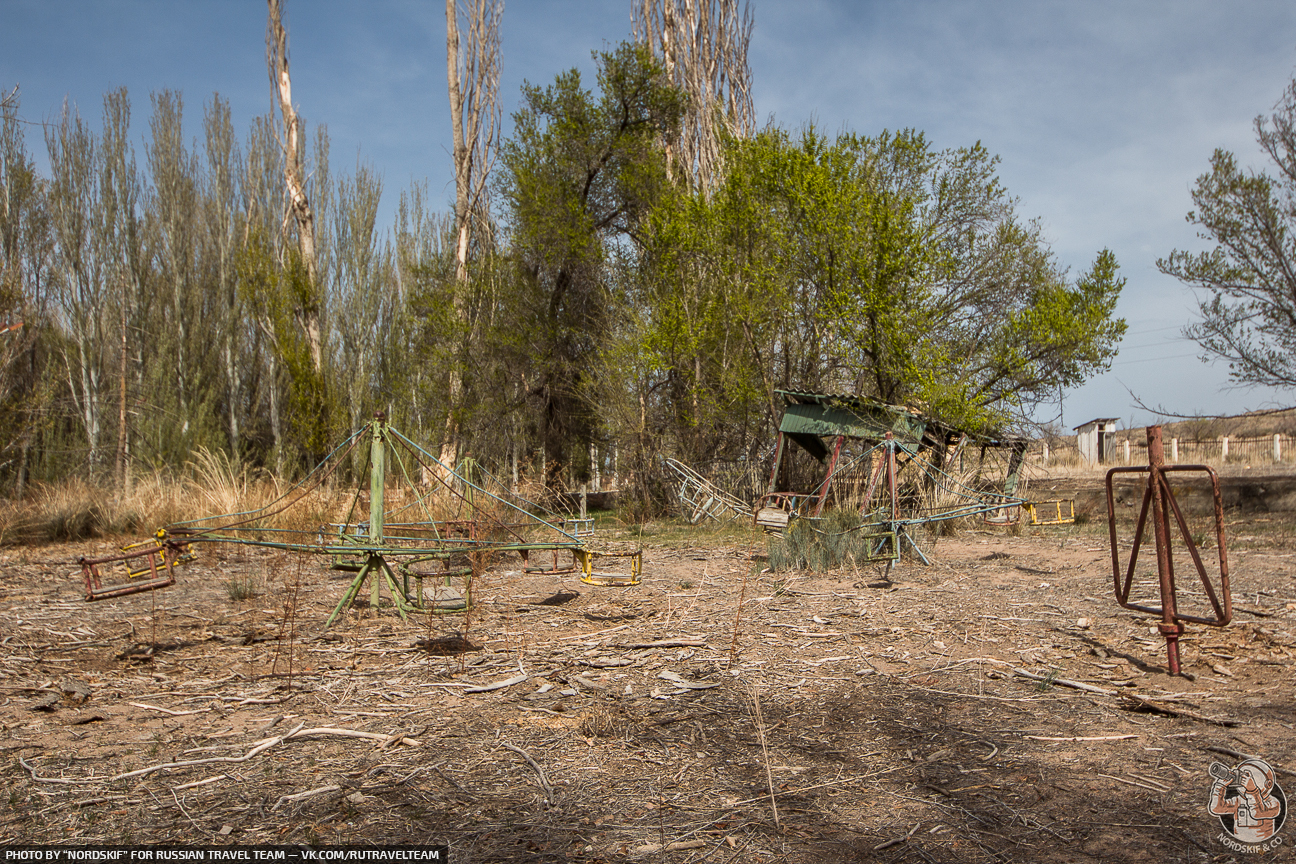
{"points": [[1158, 497], [168, 551], [1058, 511], [700, 499], [902, 435], [590, 576]]}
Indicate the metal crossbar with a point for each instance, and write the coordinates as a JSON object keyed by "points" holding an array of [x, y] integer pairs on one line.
{"points": [[701, 499]]}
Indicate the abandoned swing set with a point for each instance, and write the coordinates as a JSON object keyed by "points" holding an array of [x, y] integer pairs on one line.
{"points": [[449, 527]]}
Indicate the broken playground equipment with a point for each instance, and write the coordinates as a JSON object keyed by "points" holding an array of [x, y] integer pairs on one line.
{"points": [[1159, 501], [404, 534], [700, 499], [901, 480], [155, 559]]}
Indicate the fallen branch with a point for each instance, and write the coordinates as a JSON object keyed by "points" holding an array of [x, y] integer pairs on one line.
{"points": [[837, 782], [759, 716], [681, 682], [168, 710], [354, 733], [667, 643], [595, 633], [677, 846], [1132, 783], [251, 701], [544, 781], [887, 844], [1174, 711], [59, 780], [288, 799], [260, 747], [1090, 738], [209, 780], [498, 685], [609, 662], [1063, 682]]}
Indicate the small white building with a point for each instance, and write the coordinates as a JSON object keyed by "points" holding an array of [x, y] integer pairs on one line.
{"points": [[1096, 440]]}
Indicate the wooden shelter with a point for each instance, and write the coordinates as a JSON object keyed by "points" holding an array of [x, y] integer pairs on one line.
{"points": [[1096, 440]]}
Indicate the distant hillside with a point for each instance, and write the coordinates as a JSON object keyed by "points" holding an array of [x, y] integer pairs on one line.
{"points": [[1252, 425]]}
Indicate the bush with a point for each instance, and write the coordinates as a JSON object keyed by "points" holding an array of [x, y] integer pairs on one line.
{"points": [[840, 539]]}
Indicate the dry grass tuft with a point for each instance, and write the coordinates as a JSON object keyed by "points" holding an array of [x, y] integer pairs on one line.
{"points": [[77, 509], [214, 484]]}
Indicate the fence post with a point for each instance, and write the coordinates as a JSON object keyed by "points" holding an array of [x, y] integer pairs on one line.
{"points": [[1174, 449], [1127, 453], [1277, 448], [1045, 462], [1223, 448]]}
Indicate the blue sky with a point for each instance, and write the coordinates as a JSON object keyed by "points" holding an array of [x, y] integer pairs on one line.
{"points": [[1103, 113]]}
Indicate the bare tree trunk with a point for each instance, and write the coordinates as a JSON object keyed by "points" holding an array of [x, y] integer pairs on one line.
{"points": [[703, 45], [121, 404], [276, 426], [473, 79], [294, 173], [77, 215], [222, 162]]}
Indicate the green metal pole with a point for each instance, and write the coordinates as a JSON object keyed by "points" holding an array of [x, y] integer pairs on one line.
{"points": [[377, 473]]}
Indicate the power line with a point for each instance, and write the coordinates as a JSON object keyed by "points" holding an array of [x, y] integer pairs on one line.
{"points": [[1154, 359]]}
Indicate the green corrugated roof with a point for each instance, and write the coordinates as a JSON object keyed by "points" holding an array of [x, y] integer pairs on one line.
{"points": [[808, 417]]}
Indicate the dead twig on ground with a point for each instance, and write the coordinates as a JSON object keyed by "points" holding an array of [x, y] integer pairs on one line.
{"points": [[742, 597], [59, 780], [168, 711], [1063, 682], [183, 811], [667, 643], [677, 846], [1082, 738], [499, 685], [759, 717], [1134, 702], [322, 790], [544, 781], [260, 748]]}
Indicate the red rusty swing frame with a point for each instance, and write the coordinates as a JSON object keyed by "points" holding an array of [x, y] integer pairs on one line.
{"points": [[163, 553], [1159, 499]]}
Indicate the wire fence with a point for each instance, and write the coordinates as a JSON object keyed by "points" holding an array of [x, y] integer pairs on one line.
{"points": [[748, 480], [1131, 449]]}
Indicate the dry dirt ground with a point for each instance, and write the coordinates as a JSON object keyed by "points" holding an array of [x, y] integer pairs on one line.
{"points": [[714, 713]]}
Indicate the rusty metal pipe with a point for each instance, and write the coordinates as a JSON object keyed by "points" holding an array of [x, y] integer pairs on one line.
{"points": [[827, 482], [1170, 627], [1159, 501]]}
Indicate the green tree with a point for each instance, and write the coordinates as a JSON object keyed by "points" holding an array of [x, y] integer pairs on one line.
{"points": [[870, 265], [26, 248], [1248, 278], [274, 295], [580, 174]]}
